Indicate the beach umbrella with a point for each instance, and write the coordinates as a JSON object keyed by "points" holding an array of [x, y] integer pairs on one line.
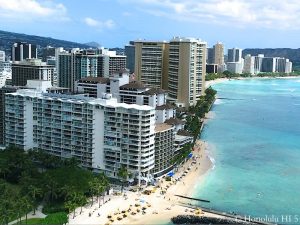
{"points": [[170, 174], [119, 218]]}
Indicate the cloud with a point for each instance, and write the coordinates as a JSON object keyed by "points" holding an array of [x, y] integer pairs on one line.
{"points": [[109, 24], [32, 9], [277, 14]]}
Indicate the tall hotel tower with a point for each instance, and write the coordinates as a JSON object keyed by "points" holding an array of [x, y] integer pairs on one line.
{"points": [[187, 68]]}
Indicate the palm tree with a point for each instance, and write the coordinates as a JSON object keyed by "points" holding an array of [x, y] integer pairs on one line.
{"points": [[4, 170], [66, 191], [51, 189], [34, 192], [81, 200], [93, 188], [71, 206], [105, 183], [123, 174], [27, 205], [5, 209], [100, 189]]}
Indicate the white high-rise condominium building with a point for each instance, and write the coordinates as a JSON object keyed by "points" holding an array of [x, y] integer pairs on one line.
{"points": [[283, 65], [288, 66], [187, 69], [257, 63], [264, 64], [235, 62], [234, 55], [101, 133], [249, 64]]}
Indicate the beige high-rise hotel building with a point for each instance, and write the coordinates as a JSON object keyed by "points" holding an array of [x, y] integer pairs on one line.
{"points": [[177, 66], [219, 54], [151, 63], [187, 69]]}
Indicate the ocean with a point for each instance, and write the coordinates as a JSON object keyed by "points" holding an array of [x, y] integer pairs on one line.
{"points": [[254, 139]]}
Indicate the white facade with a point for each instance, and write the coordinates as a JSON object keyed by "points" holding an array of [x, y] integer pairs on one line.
{"points": [[163, 113], [234, 55], [271, 64], [288, 66], [101, 133], [39, 85], [235, 67], [131, 93], [257, 63], [249, 64]]}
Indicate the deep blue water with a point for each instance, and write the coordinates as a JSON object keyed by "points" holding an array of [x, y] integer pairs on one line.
{"points": [[254, 138]]}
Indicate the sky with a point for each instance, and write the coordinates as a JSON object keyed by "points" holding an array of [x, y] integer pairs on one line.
{"points": [[113, 23]]}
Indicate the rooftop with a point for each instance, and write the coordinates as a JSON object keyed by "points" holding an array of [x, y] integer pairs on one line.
{"points": [[162, 127], [95, 80], [154, 91], [134, 85], [80, 98], [32, 62], [174, 121], [149, 41], [57, 88]]}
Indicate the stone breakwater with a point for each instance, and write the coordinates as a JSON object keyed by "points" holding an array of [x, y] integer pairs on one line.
{"points": [[191, 219]]}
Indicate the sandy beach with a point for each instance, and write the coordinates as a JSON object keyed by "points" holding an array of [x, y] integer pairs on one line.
{"points": [[212, 82], [158, 207]]}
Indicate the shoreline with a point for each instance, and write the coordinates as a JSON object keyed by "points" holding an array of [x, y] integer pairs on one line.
{"points": [[162, 207], [221, 80]]}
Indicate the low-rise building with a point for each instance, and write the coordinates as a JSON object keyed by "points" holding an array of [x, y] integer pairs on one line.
{"points": [[182, 138], [164, 149]]}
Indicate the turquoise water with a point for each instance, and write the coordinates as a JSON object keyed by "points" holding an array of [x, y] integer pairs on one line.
{"points": [[254, 139]]}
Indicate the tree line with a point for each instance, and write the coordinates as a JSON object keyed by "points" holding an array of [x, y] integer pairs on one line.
{"points": [[194, 119], [28, 179]]}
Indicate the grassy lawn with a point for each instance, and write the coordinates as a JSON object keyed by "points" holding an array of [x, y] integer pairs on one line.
{"points": [[32, 221]]}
